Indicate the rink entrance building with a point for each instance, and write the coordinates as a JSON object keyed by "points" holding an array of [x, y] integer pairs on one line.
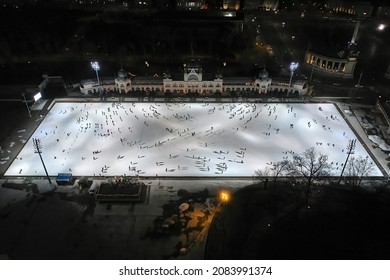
{"points": [[193, 81]]}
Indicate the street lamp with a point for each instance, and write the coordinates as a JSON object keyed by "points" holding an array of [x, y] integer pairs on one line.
{"points": [[293, 67], [96, 67], [38, 149], [358, 85], [224, 196]]}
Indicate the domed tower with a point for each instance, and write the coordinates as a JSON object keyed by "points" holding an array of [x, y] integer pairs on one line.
{"points": [[263, 75], [122, 75], [167, 74], [122, 82], [219, 75], [263, 82], [193, 71]]}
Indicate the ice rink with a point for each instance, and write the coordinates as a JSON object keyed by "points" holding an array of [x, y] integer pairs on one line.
{"points": [[182, 139]]}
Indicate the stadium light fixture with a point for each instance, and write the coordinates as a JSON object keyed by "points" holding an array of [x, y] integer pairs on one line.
{"points": [[293, 67], [95, 66]]}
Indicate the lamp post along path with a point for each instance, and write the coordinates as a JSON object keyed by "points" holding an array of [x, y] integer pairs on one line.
{"points": [[358, 85]]}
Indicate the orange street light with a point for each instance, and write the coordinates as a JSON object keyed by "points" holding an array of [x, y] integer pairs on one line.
{"points": [[224, 196]]}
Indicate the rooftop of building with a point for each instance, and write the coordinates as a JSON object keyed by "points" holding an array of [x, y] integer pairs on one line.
{"points": [[237, 80], [93, 81]]}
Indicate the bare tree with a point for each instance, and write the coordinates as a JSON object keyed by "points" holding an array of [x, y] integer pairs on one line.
{"points": [[358, 168], [309, 165], [277, 169], [262, 175]]}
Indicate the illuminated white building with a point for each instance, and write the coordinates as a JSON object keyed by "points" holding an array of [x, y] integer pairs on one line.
{"points": [[361, 9], [190, 4], [231, 5], [194, 82], [341, 67], [266, 5], [270, 5]]}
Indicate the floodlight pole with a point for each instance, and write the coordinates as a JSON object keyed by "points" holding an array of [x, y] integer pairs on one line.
{"points": [[350, 150], [37, 149], [25, 102], [147, 67], [96, 67], [293, 67]]}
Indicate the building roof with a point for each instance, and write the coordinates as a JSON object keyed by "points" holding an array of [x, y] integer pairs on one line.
{"points": [[103, 80], [193, 63], [237, 80], [263, 74], [141, 80]]}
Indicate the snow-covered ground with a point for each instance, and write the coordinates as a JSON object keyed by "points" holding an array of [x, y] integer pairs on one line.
{"points": [[182, 139]]}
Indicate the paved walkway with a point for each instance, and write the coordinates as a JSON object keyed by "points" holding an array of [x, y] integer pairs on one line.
{"points": [[353, 118]]}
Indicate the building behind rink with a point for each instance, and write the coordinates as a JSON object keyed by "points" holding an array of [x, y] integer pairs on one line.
{"points": [[192, 81]]}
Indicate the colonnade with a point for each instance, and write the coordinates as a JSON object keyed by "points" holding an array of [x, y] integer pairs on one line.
{"points": [[331, 66], [327, 64]]}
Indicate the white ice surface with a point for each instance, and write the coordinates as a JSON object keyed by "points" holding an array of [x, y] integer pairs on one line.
{"points": [[182, 139]]}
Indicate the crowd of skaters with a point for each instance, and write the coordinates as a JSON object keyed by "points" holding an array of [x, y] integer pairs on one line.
{"points": [[133, 127]]}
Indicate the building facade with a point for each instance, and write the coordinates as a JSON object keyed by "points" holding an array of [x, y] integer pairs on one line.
{"points": [[340, 67], [231, 5], [270, 5], [361, 9], [190, 4], [266, 5], [192, 82]]}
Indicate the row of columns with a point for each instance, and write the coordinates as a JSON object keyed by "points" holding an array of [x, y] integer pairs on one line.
{"points": [[340, 67]]}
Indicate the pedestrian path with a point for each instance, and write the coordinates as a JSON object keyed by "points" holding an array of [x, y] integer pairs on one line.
{"points": [[379, 156]]}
